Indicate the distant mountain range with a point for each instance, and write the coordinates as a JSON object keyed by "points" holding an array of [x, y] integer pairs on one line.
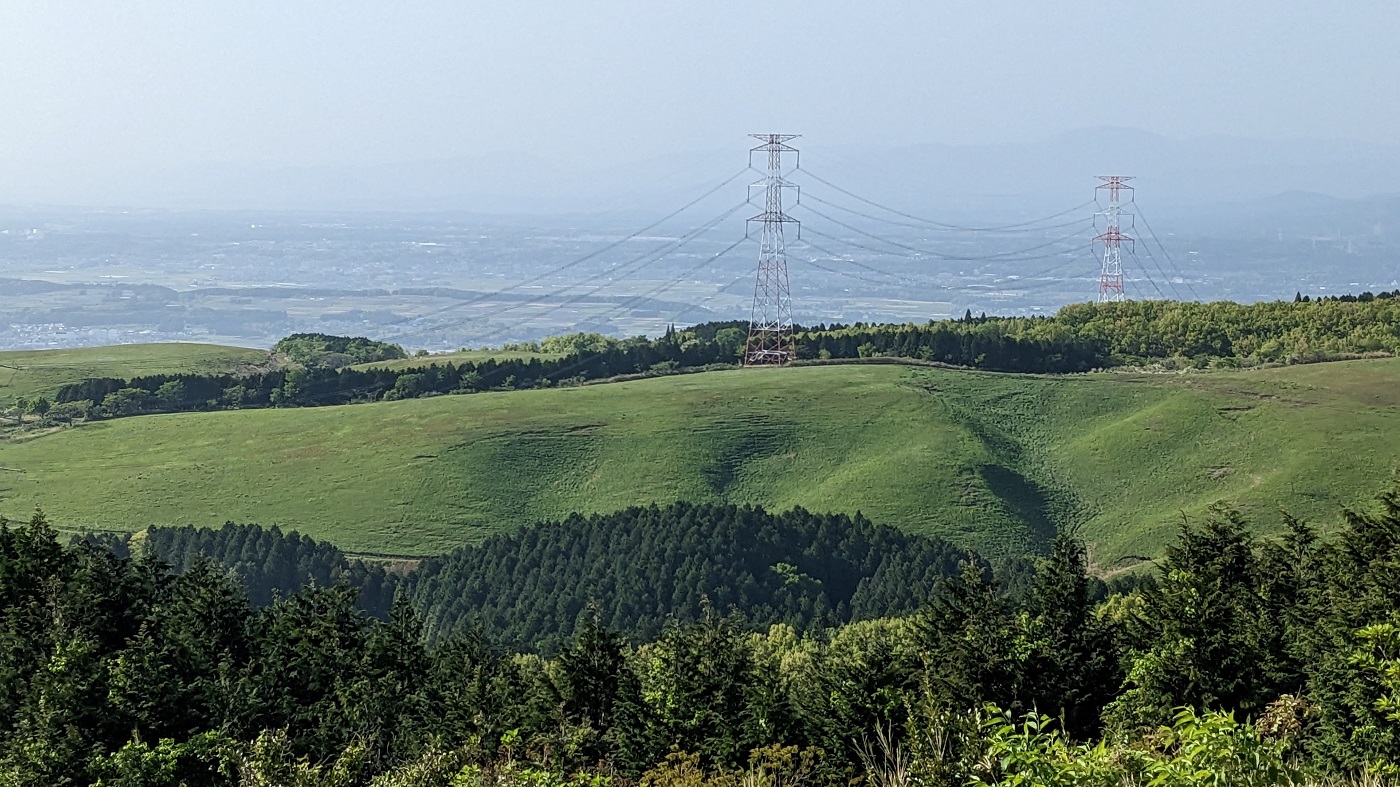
{"points": [[1211, 178], [1212, 181]]}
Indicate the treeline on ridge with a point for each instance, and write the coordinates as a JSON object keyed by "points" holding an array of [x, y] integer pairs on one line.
{"points": [[635, 569], [268, 562], [1078, 338]]}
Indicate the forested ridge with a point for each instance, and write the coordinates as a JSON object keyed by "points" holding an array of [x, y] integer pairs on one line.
{"points": [[1246, 662], [1078, 338], [635, 569], [642, 566], [271, 564]]}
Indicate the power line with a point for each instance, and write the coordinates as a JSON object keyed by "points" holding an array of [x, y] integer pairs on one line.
{"points": [[1023, 284], [1147, 275], [1132, 253], [809, 231], [619, 307], [635, 262], [579, 260], [1039, 274], [846, 274], [842, 258], [701, 304], [1008, 256], [939, 224], [1147, 247], [1165, 253], [853, 244], [634, 300], [873, 217]]}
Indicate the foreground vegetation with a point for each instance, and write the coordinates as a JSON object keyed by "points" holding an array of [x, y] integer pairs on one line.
{"points": [[1247, 662], [990, 461]]}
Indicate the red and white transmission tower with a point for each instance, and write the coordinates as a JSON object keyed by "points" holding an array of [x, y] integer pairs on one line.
{"points": [[770, 324], [1111, 264]]}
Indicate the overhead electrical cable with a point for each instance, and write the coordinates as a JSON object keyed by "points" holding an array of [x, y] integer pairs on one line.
{"points": [[1007, 256], [634, 263], [628, 302], [1165, 253], [940, 224], [808, 230], [743, 277], [845, 274], [810, 196], [1035, 277], [642, 297], [1146, 274], [1133, 253], [579, 260], [902, 278], [1147, 247]]}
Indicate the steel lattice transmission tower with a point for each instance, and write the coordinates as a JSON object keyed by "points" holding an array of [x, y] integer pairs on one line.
{"points": [[1112, 238], [770, 325]]}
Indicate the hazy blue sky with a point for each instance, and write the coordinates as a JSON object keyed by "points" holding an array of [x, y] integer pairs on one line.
{"points": [[104, 87]]}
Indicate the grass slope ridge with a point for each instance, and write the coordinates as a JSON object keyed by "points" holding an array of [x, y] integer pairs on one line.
{"points": [[991, 461], [31, 373]]}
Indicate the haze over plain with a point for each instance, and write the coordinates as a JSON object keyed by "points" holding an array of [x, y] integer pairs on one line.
{"points": [[235, 172], [541, 107]]}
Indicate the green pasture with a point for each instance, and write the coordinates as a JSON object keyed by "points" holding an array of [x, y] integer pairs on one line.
{"points": [[993, 461], [31, 373]]}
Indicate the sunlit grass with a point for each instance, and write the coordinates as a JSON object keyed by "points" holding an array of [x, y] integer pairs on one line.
{"points": [[992, 461], [31, 373]]}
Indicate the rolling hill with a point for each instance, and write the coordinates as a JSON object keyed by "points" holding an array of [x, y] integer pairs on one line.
{"points": [[993, 461], [31, 373]]}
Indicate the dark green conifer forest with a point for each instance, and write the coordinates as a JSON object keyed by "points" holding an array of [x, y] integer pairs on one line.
{"points": [[634, 569], [824, 649]]}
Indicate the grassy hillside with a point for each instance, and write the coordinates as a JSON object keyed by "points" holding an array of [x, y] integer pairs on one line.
{"points": [[993, 461], [31, 373], [1132, 454]]}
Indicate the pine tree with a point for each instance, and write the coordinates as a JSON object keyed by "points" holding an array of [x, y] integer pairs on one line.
{"points": [[1207, 639], [1072, 668], [967, 638]]}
